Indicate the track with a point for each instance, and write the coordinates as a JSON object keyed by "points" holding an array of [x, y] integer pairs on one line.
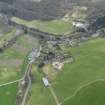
{"points": [[27, 75], [54, 95]]}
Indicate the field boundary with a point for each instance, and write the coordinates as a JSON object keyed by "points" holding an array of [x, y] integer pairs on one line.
{"points": [[11, 82], [81, 87], [8, 83]]}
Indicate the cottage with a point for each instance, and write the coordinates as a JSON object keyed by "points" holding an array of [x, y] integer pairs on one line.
{"points": [[45, 81]]}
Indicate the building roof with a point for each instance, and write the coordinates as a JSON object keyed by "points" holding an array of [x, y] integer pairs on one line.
{"points": [[45, 81]]}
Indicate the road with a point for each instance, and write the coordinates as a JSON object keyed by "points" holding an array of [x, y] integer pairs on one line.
{"points": [[54, 95], [27, 75]]}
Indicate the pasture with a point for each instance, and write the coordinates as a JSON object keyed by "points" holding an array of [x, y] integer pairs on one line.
{"points": [[92, 94], [40, 95], [13, 60], [79, 83], [8, 94], [55, 26], [89, 67]]}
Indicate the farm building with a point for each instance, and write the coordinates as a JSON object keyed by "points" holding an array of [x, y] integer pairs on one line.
{"points": [[45, 81], [80, 25]]}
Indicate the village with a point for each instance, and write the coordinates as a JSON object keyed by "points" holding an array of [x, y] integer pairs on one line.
{"points": [[50, 52], [51, 55]]}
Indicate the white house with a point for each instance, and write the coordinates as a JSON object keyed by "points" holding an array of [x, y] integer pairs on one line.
{"points": [[45, 81], [81, 25]]}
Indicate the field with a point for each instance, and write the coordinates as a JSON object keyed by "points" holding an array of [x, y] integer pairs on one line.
{"points": [[79, 83], [89, 66], [55, 26], [13, 63], [7, 36], [39, 94], [13, 60], [8, 94], [91, 95]]}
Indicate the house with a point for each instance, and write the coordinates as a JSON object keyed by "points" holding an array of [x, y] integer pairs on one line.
{"points": [[80, 25], [32, 55], [45, 81]]}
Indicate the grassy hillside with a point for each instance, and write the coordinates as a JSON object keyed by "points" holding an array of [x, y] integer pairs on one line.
{"points": [[40, 95], [8, 94], [55, 26], [12, 60], [7, 36], [81, 82], [91, 95], [88, 67]]}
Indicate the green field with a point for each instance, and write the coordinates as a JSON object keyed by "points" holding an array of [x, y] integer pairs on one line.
{"points": [[13, 63], [13, 60], [7, 36], [8, 94], [55, 26], [88, 67], [91, 95], [40, 95], [79, 83]]}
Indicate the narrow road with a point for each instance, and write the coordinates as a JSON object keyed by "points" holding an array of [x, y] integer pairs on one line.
{"points": [[29, 83], [54, 95], [27, 75]]}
